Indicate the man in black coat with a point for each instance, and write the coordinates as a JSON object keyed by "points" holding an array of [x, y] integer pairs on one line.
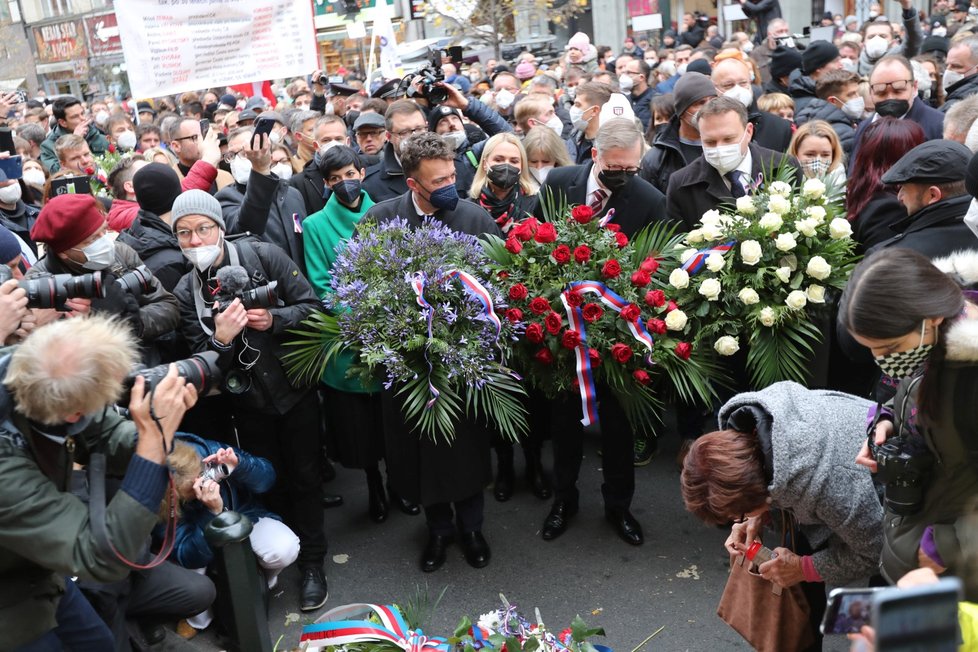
{"points": [[730, 162], [818, 59], [839, 103], [961, 77], [931, 177]]}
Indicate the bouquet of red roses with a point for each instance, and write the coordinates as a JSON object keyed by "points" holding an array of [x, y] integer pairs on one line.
{"points": [[596, 312]]}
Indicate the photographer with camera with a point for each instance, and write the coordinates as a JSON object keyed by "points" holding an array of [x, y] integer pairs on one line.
{"points": [[923, 331], [55, 399], [240, 301]]}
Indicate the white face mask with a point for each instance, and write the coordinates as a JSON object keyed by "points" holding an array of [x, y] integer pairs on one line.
{"points": [[540, 174], [205, 256], [240, 169], [10, 194], [282, 170], [330, 110], [98, 255], [275, 137], [951, 77], [556, 125], [126, 140], [971, 217], [34, 178], [456, 138], [504, 99], [681, 69], [939, 31], [626, 83], [876, 47], [873, 13], [849, 65], [577, 118], [854, 108], [725, 157], [747, 47], [101, 118], [743, 95]]}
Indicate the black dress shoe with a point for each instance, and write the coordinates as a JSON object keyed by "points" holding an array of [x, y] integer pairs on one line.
{"points": [[314, 592], [332, 500], [476, 549], [376, 500], [625, 525], [557, 520], [406, 506], [502, 489], [433, 556]]}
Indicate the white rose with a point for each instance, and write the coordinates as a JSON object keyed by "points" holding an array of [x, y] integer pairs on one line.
{"points": [[679, 279], [750, 252], [715, 262], [749, 296], [676, 320], [711, 232], [813, 189], [817, 213], [785, 242], [818, 268], [839, 229], [770, 222], [711, 217], [710, 288], [745, 205], [806, 227], [778, 204], [726, 345], [815, 293], [780, 188], [796, 300], [694, 237], [689, 253], [783, 274], [767, 316]]}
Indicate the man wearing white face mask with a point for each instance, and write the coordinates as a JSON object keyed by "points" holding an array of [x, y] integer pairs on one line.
{"points": [[639, 93], [588, 100], [839, 103], [76, 234], [878, 38], [961, 76], [731, 77], [730, 164]]}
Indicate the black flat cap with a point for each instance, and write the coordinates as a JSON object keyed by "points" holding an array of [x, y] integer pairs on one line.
{"points": [[936, 161], [388, 90], [971, 178]]}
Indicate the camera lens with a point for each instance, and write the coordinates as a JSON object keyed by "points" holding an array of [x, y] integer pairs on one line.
{"points": [[43, 293], [85, 286], [137, 281], [263, 296], [200, 370], [237, 382]]}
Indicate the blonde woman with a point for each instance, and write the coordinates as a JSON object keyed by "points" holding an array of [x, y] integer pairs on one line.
{"points": [[502, 185], [544, 152], [819, 151]]}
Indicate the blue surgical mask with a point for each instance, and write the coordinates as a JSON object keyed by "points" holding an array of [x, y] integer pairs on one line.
{"points": [[445, 198]]}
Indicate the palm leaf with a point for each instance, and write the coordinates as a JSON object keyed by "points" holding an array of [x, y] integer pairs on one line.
{"points": [[438, 421], [553, 204], [495, 249], [313, 347], [641, 405], [654, 240], [498, 401], [782, 352]]}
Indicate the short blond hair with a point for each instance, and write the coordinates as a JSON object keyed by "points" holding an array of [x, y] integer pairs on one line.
{"points": [[68, 143], [774, 102], [69, 366]]}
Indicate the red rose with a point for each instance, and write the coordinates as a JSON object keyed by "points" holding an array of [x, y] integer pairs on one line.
{"points": [[575, 298], [582, 214], [570, 339], [546, 232], [631, 312], [111, 148], [534, 333], [544, 356], [657, 326], [640, 279], [592, 312], [650, 265], [539, 305], [684, 350], [672, 306], [513, 245], [611, 269], [514, 315], [611, 226], [621, 352], [503, 275], [621, 239], [518, 292], [655, 298], [595, 357], [561, 255], [524, 230], [641, 377], [90, 171], [553, 322], [582, 254]]}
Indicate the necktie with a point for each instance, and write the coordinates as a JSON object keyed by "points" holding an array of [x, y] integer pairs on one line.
{"points": [[597, 200], [736, 188]]}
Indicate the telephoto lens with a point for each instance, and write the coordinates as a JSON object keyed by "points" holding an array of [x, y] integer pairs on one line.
{"points": [[49, 292], [200, 370], [136, 282], [263, 296]]}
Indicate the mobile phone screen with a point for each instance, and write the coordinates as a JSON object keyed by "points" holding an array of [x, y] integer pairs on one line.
{"points": [[70, 186], [923, 618], [848, 610]]}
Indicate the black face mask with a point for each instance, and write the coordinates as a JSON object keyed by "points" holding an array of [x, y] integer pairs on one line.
{"points": [[347, 191], [893, 108], [615, 179], [504, 176]]}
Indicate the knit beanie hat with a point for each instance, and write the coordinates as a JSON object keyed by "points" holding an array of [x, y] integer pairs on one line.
{"points": [[197, 202], [439, 112], [525, 71], [701, 66], [579, 41], [9, 246], [691, 88], [783, 61], [816, 55], [67, 220], [156, 186]]}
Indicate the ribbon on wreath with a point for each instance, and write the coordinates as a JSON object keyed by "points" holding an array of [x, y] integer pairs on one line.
{"points": [[696, 262], [474, 289], [575, 316], [347, 625]]}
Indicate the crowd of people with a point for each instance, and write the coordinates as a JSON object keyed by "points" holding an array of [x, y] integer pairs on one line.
{"points": [[213, 199]]}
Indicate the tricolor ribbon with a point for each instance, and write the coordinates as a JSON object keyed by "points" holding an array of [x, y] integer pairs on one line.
{"points": [[575, 316], [696, 262], [347, 625]]}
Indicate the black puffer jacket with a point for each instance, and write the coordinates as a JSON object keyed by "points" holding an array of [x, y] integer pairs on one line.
{"points": [[153, 240], [802, 89], [959, 91], [824, 110], [664, 158]]}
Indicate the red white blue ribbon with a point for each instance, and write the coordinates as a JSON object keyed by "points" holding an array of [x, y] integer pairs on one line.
{"points": [[696, 262], [348, 625]]}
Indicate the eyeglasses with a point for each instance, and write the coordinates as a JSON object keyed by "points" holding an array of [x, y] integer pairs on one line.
{"points": [[202, 231], [230, 156], [898, 85], [726, 86], [194, 138], [406, 133], [621, 168]]}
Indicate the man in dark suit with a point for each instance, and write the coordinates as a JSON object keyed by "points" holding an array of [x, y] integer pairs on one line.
{"points": [[611, 186], [730, 162]]}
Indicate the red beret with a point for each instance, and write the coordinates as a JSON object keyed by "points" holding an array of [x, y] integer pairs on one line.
{"points": [[67, 220]]}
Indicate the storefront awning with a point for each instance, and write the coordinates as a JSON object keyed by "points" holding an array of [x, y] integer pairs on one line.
{"points": [[12, 83]]}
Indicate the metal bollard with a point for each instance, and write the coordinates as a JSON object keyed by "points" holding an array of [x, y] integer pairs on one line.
{"points": [[240, 582]]}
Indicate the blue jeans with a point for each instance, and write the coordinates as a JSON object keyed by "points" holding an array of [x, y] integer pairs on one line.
{"points": [[79, 628]]}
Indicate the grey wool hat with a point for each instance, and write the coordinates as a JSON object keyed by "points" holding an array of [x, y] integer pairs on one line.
{"points": [[197, 202]]}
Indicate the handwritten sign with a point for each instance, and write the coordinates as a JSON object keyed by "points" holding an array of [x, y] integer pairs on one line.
{"points": [[172, 46]]}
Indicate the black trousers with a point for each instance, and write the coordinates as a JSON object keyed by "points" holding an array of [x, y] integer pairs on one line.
{"points": [[291, 442], [468, 515], [617, 451]]}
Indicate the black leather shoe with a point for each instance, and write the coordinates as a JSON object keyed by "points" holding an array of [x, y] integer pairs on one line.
{"points": [[476, 549], [557, 520], [502, 489], [314, 592], [625, 525], [433, 556], [376, 501], [406, 506], [332, 500]]}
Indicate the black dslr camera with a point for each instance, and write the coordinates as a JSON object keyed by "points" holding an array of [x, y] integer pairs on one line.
{"points": [[52, 291], [428, 76], [200, 370], [904, 473]]}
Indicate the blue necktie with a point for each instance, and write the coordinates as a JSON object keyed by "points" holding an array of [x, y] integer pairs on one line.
{"points": [[736, 188]]}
